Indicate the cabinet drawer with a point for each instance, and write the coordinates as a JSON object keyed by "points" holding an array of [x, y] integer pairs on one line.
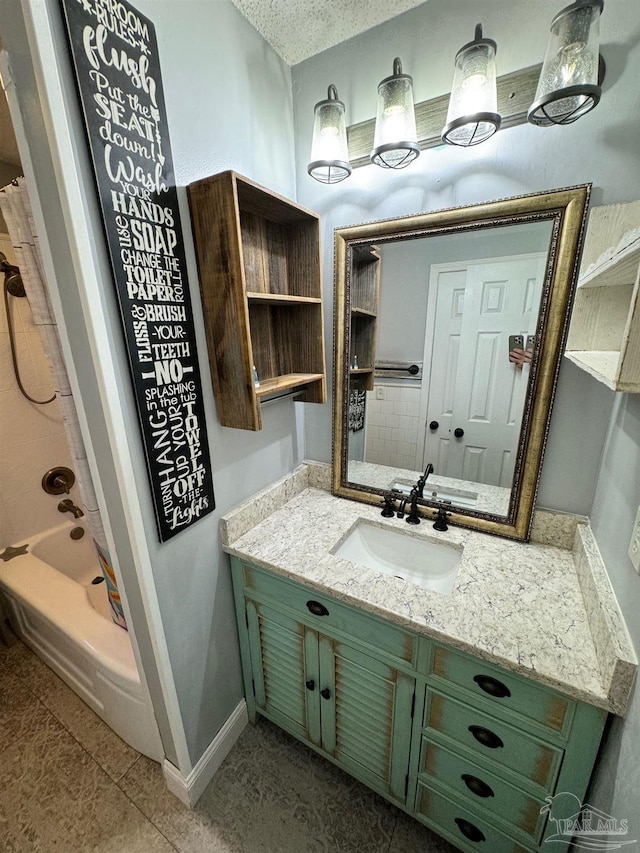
{"points": [[503, 688], [482, 788], [324, 612], [462, 826], [493, 739]]}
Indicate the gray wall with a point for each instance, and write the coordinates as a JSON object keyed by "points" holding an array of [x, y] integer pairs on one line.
{"points": [[601, 148], [617, 783], [228, 100], [404, 281]]}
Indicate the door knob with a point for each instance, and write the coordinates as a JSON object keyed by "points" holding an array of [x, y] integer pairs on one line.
{"points": [[433, 425], [458, 432]]}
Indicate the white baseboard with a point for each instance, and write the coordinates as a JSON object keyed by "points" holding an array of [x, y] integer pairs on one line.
{"points": [[188, 789]]}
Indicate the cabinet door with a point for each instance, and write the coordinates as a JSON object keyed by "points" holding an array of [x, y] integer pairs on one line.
{"points": [[284, 662], [366, 708]]}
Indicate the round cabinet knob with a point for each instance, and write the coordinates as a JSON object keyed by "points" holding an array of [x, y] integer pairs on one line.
{"points": [[433, 425], [413, 369], [458, 432], [325, 693], [317, 608], [310, 685]]}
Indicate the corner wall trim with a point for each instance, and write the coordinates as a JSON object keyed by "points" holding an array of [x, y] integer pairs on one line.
{"points": [[188, 789]]}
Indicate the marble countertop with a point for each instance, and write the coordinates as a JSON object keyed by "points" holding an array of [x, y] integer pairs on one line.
{"points": [[515, 604]]}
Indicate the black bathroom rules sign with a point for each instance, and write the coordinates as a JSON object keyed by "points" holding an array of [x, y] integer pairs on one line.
{"points": [[115, 56]]}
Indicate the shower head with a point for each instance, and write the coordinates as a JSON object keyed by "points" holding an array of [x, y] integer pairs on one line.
{"points": [[12, 278]]}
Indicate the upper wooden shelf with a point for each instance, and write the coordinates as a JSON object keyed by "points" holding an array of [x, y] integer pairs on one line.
{"points": [[282, 298], [363, 312], [365, 293], [259, 265], [604, 336], [617, 268], [281, 384]]}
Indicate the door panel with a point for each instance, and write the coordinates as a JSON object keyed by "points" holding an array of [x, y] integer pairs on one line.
{"points": [[366, 724], [283, 661], [473, 385]]}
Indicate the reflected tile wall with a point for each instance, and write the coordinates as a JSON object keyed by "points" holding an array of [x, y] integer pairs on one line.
{"points": [[392, 426]]}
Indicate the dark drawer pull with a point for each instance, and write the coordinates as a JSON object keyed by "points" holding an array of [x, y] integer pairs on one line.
{"points": [[485, 737], [492, 686], [317, 609], [477, 786], [469, 830], [310, 685], [325, 693]]}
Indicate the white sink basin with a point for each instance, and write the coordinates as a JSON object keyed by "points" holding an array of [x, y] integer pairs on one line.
{"points": [[396, 553]]}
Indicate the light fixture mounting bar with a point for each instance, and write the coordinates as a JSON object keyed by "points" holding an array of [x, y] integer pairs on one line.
{"points": [[516, 92]]}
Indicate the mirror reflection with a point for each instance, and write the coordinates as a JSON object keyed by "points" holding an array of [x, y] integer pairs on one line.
{"points": [[442, 334]]}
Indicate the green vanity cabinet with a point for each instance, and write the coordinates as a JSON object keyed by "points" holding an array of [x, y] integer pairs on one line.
{"points": [[466, 747], [328, 690]]}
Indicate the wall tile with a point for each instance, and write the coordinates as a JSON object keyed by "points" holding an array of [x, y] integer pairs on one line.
{"points": [[22, 466]]}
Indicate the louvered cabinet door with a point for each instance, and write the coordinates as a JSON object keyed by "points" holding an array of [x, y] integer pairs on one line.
{"points": [[284, 663], [365, 711]]}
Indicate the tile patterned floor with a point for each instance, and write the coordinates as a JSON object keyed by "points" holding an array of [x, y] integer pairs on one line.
{"points": [[68, 784]]}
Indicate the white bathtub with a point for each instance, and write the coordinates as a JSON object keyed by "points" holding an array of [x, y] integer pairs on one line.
{"points": [[65, 619]]}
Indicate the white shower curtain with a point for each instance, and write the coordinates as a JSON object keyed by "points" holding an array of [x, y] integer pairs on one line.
{"points": [[16, 208]]}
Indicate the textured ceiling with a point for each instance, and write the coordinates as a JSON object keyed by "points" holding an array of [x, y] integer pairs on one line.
{"points": [[298, 29]]}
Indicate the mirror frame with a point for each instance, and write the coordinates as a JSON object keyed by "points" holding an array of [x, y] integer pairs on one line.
{"points": [[567, 210]]}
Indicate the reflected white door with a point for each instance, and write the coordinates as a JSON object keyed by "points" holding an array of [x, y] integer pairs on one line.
{"points": [[474, 388]]}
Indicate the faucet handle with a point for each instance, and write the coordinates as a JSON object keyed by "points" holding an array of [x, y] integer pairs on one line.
{"points": [[413, 517], [389, 502], [441, 520]]}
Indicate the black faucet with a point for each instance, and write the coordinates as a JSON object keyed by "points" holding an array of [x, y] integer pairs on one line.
{"points": [[401, 507], [423, 480]]}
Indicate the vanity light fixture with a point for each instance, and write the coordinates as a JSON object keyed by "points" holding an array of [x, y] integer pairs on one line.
{"points": [[329, 161], [573, 70], [395, 140], [473, 115]]}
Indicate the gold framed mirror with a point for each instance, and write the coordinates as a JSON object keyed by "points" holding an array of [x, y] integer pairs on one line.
{"points": [[449, 328]]}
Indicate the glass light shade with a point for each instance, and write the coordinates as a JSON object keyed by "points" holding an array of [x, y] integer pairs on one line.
{"points": [[329, 162], [395, 140], [569, 86], [473, 106]]}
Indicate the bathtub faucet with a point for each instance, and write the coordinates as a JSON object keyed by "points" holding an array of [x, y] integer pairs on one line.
{"points": [[68, 505]]}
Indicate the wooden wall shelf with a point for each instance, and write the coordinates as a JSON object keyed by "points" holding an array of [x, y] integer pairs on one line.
{"points": [[604, 337], [259, 266], [365, 293]]}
